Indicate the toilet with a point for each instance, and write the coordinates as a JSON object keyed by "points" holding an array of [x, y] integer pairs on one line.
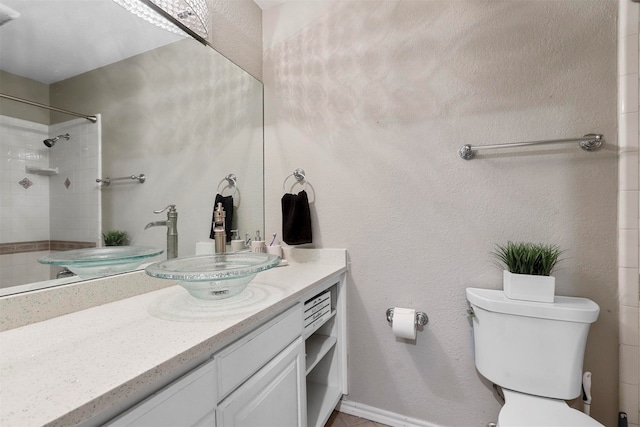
{"points": [[534, 351]]}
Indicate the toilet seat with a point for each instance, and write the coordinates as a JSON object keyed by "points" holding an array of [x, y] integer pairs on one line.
{"points": [[522, 410]]}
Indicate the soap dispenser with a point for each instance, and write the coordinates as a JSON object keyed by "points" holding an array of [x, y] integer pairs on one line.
{"points": [[237, 244], [219, 234], [258, 245]]}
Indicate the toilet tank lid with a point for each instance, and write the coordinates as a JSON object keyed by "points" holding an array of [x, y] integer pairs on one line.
{"points": [[570, 309]]}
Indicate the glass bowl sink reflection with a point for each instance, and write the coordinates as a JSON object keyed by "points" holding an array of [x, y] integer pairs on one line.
{"points": [[214, 276], [97, 262]]}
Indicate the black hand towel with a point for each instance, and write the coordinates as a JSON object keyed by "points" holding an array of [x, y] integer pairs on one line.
{"points": [[296, 219], [227, 205]]}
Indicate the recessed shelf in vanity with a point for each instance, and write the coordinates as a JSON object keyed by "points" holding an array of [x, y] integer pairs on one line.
{"points": [[317, 346], [324, 348]]}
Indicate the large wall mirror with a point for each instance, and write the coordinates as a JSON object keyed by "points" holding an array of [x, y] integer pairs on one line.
{"points": [[168, 107]]}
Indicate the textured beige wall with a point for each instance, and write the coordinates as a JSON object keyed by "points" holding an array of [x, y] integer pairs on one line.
{"points": [[373, 100], [32, 90]]}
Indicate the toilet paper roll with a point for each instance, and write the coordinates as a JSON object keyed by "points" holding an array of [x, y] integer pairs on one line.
{"points": [[404, 323]]}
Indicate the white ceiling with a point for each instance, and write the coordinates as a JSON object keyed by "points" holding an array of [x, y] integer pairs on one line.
{"points": [[56, 39], [266, 4]]}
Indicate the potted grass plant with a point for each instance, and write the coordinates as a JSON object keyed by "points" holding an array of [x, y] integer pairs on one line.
{"points": [[528, 270], [115, 238]]}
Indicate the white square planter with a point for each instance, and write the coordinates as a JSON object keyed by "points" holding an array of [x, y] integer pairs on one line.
{"points": [[528, 287]]}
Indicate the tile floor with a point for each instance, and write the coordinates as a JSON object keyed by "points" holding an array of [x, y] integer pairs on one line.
{"points": [[340, 419]]}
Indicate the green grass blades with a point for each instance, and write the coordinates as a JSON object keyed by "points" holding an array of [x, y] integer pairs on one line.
{"points": [[528, 258], [115, 238]]}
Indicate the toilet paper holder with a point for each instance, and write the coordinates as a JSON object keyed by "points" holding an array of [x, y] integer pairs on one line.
{"points": [[421, 317]]}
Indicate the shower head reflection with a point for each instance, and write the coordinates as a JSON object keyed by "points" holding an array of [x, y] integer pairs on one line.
{"points": [[52, 141]]}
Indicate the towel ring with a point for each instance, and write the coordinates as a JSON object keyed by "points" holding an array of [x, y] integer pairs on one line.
{"points": [[231, 182], [299, 175]]}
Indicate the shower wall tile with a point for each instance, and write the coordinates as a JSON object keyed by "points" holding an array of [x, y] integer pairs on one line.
{"points": [[629, 364], [628, 248], [628, 206], [628, 325], [629, 401], [628, 86], [628, 55], [20, 143], [628, 286], [628, 131], [628, 170], [627, 18], [628, 209], [26, 213], [75, 210]]}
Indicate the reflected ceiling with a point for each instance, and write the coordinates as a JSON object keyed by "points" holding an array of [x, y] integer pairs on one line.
{"points": [[42, 19]]}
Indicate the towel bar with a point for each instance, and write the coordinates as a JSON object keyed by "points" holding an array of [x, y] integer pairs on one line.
{"points": [[589, 142], [107, 181]]}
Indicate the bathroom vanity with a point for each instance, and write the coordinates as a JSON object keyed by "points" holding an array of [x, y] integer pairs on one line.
{"points": [[274, 355]]}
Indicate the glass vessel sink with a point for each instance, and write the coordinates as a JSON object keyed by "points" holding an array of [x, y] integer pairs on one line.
{"points": [[97, 262], [214, 276]]}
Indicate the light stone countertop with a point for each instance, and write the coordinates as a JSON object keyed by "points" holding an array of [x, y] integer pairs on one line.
{"points": [[65, 370]]}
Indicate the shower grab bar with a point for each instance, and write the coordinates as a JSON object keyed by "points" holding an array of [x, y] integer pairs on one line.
{"points": [[107, 181], [92, 119], [589, 142]]}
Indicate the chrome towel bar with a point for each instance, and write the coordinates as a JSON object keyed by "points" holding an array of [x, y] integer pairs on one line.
{"points": [[589, 142], [107, 181]]}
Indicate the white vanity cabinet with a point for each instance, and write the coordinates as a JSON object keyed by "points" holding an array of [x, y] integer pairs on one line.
{"points": [[289, 372], [189, 401], [274, 396], [326, 352], [238, 361]]}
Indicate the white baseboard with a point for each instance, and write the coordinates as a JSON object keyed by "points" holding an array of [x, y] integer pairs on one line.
{"points": [[380, 415]]}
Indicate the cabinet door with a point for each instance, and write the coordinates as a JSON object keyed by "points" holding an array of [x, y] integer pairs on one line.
{"points": [[238, 362], [273, 397]]}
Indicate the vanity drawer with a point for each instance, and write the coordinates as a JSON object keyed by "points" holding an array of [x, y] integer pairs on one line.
{"points": [[188, 401], [242, 359]]}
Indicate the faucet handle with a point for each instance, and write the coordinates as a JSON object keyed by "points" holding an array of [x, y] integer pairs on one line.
{"points": [[172, 208]]}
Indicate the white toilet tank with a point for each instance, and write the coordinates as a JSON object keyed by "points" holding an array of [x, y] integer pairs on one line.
{"points": [[531, 347]]}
